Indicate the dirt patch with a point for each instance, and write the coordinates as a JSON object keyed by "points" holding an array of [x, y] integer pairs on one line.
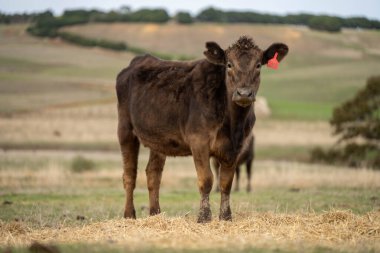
{"points": [[150, 28], [295, 133], [345, 53]]}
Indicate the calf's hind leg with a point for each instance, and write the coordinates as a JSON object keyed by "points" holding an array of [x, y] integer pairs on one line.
{"points": [[216, 166], [129, 145], [249, 173], [237, 179], [153, 174]]}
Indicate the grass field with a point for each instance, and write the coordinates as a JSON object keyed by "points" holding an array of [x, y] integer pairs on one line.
{"points": [[57, 102], [293, 207]]}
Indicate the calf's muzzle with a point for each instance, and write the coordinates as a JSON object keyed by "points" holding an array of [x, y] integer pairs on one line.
{"points": [[244, 97]]}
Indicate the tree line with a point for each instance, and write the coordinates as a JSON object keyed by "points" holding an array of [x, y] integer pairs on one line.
{"points": [[317, 22], [45, 24], [124, 14]]}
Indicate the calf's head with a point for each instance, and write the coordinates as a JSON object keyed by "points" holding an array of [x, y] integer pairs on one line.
{"points": [[243, 61]]}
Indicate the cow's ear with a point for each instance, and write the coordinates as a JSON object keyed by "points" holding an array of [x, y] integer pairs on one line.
{"points": [[214, 53], [279, 48]]}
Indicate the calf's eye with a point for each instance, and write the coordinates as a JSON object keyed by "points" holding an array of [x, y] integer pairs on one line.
{"points": [[258, 65], [229, 65]]}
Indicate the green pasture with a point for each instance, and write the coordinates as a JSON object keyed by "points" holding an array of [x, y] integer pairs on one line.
{"points": [[307, 86]]}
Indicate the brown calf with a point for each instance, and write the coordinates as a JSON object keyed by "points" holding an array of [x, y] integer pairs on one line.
{"points": [[201, 108]]}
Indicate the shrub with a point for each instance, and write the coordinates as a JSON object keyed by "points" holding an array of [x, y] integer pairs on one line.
{"points": [[80, 164], [356, 119], [87, 42], [42, 31], [360, 116], [353, 155]]}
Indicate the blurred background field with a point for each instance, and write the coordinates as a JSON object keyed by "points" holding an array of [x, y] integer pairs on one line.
{"points": [[60, 166]]}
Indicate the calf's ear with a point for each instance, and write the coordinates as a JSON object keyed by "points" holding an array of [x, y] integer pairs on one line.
{"points": [[214, 53], [279, 48]]}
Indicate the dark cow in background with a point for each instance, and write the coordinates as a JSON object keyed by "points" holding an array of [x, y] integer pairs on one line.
{"points": [[201, 108], [246, 158]]}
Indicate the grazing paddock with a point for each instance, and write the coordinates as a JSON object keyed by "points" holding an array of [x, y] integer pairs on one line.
{"points": [[293, 207]]}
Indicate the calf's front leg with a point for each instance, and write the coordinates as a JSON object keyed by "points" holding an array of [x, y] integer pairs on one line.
{"points": [[205, 181], [226, 178]]}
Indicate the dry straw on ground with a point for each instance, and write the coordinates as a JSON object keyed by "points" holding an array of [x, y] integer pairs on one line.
{"points": [[335, 229]]}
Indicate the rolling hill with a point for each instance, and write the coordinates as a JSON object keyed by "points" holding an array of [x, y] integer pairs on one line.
{"points": [[321, 71]]}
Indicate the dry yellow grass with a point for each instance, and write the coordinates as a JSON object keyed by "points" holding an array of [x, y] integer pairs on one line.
{"points": [[295, 133], [98, 123], [95, 123], [267, 174], [335, 229]]}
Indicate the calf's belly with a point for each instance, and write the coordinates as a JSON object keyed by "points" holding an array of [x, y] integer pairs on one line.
{"points": [[168, 144]]}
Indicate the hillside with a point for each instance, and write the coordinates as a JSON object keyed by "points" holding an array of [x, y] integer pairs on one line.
{"points": [[41, 73], [320, 72], [54, 95]]}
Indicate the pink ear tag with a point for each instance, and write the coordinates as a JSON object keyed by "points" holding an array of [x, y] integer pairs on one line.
{"points": [[273, 63]]}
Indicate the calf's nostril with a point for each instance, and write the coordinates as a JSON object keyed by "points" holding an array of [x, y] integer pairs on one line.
{"points": [[244, 93]]}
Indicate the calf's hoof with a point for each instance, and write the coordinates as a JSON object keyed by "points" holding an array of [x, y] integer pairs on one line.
{"points": [[130, 214], [204, 215], [225, 215], [154, 211]]}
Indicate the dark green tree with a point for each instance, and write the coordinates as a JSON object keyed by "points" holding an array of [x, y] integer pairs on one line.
{"points": [[4, 19], [360, 116], [211, 15], [357, 122], [325, 23], [184, 18], [150, 15]]}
